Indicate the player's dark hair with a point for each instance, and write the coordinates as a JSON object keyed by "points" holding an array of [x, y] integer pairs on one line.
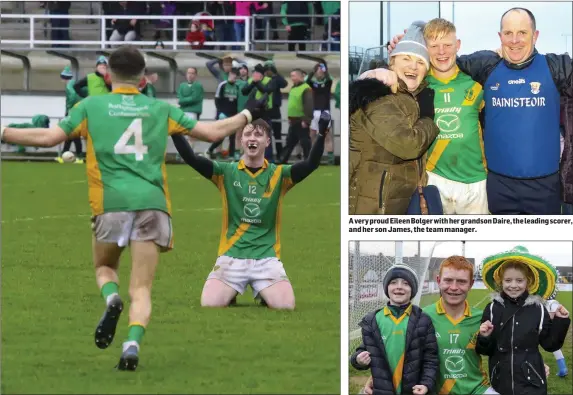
{"points": [[127, 63], [261, 124], [529, 13]]}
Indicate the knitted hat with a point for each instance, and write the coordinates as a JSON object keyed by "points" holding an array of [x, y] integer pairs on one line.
{"points": [[404, 272], [67, 73], [545, 275], [413, 43], [101, 60]]}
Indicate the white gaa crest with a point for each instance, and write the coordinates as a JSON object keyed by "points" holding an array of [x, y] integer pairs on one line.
{"points": [[535, 87]]}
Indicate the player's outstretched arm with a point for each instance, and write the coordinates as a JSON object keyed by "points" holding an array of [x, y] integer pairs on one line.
{"points": [[202, 165], [35, 137], [216, 131], [301, 170]]}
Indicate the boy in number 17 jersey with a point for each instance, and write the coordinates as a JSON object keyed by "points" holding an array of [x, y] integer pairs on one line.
{"points": [[252, 191]]}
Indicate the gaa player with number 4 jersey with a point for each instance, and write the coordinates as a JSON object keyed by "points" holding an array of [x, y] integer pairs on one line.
{"points": [[253, 191], [126, 135]]}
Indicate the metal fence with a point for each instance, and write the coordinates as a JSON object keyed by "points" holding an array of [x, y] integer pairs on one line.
{"points": [[329, 41]]}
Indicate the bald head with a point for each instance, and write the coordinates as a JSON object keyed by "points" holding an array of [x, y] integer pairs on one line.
{"points": [[524, 13]]}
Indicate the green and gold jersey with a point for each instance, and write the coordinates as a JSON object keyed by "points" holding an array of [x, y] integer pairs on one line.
{"points": [[457, 154], [461, 370], [126, 135], [251, 208], [393, 331]]}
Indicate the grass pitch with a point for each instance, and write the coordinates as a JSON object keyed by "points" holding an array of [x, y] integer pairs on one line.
{"points": [[51, 305], [479, 298]]}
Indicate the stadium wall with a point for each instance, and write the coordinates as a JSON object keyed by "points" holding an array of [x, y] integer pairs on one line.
{"points": [[21, 108]]}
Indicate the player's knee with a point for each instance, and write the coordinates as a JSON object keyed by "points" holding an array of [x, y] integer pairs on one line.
{"points": [[209, 302], [282, 305]]}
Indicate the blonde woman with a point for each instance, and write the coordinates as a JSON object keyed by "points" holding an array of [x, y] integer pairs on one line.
{"points": [[390, 133]]}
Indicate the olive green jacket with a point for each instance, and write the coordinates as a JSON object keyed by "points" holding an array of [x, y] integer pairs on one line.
{"points": [[388, 144]]}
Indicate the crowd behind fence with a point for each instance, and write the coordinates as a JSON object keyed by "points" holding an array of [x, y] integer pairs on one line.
{"points": [[269, 31]]}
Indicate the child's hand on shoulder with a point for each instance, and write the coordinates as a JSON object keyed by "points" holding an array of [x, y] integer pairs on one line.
{"points": [[562, 312], [419, 389], [486, 328], [363, 358]]}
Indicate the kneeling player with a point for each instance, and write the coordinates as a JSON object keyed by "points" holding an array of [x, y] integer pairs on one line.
{"points": [[252, 189], [127, 184]]}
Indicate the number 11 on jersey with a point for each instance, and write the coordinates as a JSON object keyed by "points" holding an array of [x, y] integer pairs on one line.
{"points": [[135, 129]]}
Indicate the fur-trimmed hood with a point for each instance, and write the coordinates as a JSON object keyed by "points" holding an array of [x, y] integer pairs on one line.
{"points": [[530, 300]]}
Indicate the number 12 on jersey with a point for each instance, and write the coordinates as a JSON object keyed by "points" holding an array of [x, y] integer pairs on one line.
{"points": [[135, 129]]}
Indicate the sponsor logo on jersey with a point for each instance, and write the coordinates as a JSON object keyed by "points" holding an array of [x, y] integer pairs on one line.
{"points": [[450, 136], [516, 82], [447, 90], [518, 102], [398, 333], [448, 110], [494, 87], [454, 364], [535, 86], [127, 100], [470, 94], [251, 212], [237, 184], [448, 123]]}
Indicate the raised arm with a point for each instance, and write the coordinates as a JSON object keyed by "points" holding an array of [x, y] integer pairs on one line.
{"points": [[301, 170], [214, 70], [202, 165], [80, 85], [35, 137], [179, 123], [479, 65], [385, 122]]}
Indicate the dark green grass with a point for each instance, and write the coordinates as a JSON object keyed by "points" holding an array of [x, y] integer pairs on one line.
{"points": [[479, 298], [50, 302]]}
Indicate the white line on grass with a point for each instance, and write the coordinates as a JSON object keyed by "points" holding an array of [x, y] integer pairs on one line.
{"points": [[481, 301], [206, 209]]}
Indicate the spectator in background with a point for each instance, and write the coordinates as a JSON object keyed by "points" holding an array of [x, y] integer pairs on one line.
{"points": [[226, 103], [566, 165], [224, 29], [261, 23], [244, 8], [297, 26], [277, 83], [195, 36], [190, 95], [38, 121], [126, 29], [224, 67], [148, 89], [320, 82], [72, 98], [242, 81], [331, 8], [60, 26], [300, 108], [337, 95], [166, 8], [97, 83]]}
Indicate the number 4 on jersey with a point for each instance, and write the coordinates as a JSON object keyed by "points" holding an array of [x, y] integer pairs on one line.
{"points": [[135, 128]]}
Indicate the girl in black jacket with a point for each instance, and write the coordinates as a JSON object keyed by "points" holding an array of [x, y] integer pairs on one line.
{"points": [[399, 338], [514, 325]]}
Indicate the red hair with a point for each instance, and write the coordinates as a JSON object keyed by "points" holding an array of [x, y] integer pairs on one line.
{"points": [[457, 262]]}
